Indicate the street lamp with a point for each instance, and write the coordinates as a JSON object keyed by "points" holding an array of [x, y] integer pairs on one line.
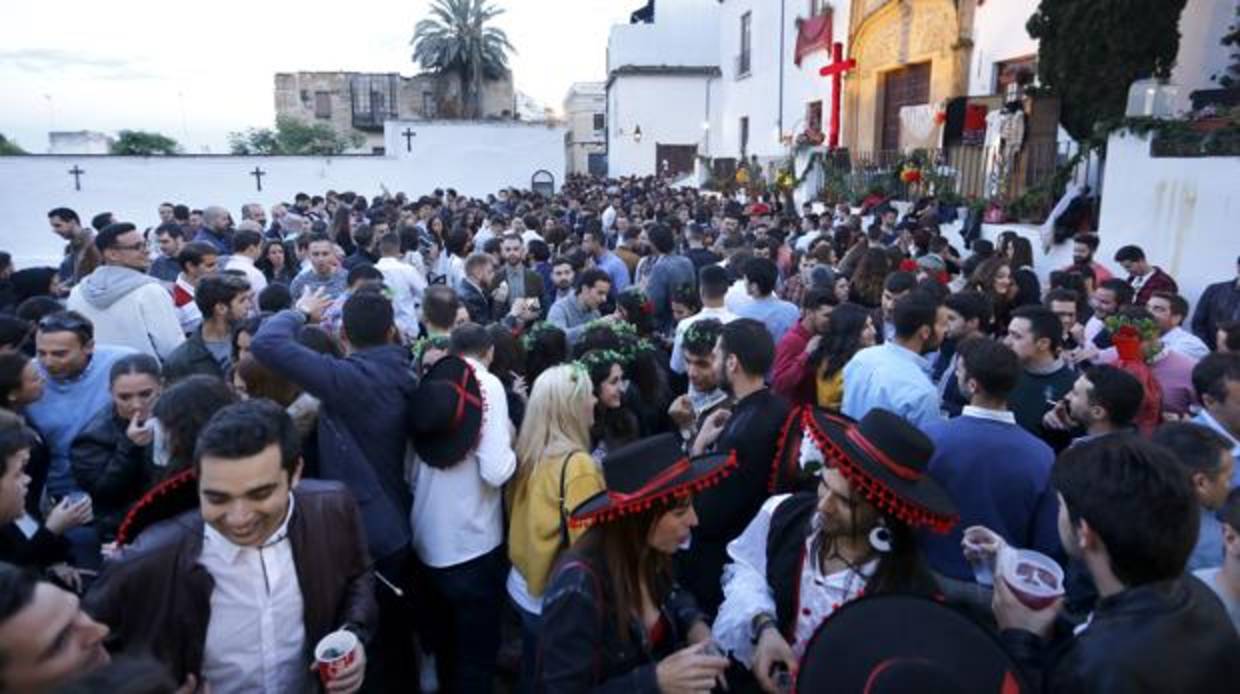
{"points": [[637, 134]]}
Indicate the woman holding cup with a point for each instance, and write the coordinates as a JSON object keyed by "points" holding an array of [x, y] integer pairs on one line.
{"points": [[613, 617]]}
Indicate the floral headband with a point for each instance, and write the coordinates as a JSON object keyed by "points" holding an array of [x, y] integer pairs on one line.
{"points": [[536, 331]]}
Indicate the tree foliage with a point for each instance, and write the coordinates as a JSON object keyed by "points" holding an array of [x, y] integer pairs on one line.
{"points": [[9, 147], [1090, 52], [456, 38], [293, 136], [142, 143]]}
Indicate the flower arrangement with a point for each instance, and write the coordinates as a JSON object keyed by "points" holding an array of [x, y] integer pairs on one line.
{"points": [[1131, 337], [910, 175]]}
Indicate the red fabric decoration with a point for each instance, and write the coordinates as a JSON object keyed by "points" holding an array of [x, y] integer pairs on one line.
{"points": [[813, 34]]}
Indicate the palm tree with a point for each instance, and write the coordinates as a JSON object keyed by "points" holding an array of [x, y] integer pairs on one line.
{"points": [[456, 38]]}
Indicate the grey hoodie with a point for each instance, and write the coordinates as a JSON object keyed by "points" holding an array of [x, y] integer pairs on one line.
{"points": [[110, 283]]}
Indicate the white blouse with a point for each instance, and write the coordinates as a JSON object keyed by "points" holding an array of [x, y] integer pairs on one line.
{"points": [[747, 594]]}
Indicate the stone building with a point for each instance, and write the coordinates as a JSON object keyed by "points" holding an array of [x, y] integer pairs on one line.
{"points": [[362, 101], [585, 114]]}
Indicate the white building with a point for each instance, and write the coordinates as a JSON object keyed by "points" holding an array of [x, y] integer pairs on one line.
{"points": [[1001, 45], [768, 53], [768, 93], [585, 115], [659, 81], [79, 142]]}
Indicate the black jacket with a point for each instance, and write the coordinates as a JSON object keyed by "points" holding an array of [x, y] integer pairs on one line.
{"points": [[1219, 303], [479, 305], [190, 359], [109, 467], [37, 552], [580, 648], [725, 509], [1171, 636], [156, 597]]}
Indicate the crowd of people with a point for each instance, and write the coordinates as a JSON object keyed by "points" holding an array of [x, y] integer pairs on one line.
{"points": [[627, 437]]}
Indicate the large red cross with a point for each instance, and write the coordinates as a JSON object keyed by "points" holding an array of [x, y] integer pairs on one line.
{"points": [[836, 71]]}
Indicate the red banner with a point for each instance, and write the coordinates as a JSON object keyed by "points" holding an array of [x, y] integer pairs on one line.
{"points": [[813, 34]]}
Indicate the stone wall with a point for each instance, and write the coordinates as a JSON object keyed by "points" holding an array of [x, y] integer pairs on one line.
{"points": [[892, 35]]}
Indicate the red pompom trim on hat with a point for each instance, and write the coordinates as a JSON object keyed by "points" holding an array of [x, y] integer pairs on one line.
{"points": [[624, 505]]}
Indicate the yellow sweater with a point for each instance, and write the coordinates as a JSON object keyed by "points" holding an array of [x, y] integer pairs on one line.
{"points": [[831, 391], [534, 530]]}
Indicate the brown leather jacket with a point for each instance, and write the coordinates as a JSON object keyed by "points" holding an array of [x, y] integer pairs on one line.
{"points": [[156, 597]]}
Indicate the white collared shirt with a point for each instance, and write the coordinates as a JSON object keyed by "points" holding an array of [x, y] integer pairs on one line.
{"points": [[1005, 416], [747, 593], [256, 636]]}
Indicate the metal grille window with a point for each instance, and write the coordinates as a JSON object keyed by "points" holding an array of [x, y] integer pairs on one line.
{"points": [[374, 99]]}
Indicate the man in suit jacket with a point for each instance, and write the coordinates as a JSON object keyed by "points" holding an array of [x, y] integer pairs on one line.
{"points": [[521, 282], [474, 289]]}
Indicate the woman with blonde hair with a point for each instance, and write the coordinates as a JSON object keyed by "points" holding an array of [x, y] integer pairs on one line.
{"points": [[555, 474]]}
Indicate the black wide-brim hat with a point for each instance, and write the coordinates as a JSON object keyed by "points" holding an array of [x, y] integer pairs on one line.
{"points": [[649, 471], [885, 458], [898, 644], [446, 418], [787, 474]]}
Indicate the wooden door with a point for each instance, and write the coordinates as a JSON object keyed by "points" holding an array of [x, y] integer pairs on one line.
{"points": [[908, 86], [678, 159]]}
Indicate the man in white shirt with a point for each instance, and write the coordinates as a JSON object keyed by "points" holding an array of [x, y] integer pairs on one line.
{"points": [[238, 594], [464, 456], [712, 287], [405, 283], [247, 244], [1169, 310]]}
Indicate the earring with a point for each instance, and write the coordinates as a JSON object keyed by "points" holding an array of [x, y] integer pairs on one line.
{"points": [[880, 539]]}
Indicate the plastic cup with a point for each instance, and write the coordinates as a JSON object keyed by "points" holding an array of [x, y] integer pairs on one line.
{"points": [[335, 652], [981, 547], [1034, 578]]}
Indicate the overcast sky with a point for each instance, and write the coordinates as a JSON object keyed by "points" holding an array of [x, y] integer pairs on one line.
{"points": [[197, 70]]}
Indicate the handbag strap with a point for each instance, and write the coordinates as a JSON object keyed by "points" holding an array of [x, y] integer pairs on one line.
{"points": [[564, 538]]}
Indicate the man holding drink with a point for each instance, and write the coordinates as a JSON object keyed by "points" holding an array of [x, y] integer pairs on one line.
{"points": [[238, 592]]}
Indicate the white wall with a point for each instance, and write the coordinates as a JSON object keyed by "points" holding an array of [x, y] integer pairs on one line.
{"points": [[670, 110], [757, 96], [475, 159], [1202, 26], [999, 34], [682, 34], [1182, 212]]}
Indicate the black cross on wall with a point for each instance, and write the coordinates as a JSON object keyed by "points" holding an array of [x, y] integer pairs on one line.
{"points": [[409, 134], [258, 174], [77, 177]]}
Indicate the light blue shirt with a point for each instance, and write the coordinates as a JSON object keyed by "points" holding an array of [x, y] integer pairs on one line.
{"points": [[1209, 550], [776, 314], [66, 408], [1204, 419], [617, 270], [894, 378]]}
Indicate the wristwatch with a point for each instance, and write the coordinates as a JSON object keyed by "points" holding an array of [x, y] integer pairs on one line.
{"points": [[760, 623]]}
